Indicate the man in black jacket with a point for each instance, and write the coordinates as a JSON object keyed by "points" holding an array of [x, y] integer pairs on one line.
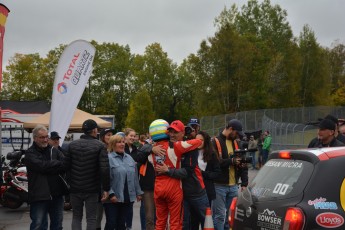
{"points": [[44, 166], [226, 185], [88, 164], [326, 135]]}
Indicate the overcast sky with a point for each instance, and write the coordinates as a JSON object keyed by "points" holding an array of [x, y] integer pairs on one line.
{"points": [[37, 26]]}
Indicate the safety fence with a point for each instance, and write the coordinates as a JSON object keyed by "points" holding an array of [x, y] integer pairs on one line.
{"points": [[290, 128]]}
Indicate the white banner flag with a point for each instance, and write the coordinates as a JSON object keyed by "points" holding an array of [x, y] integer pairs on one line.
{"points": [[72, 74]]}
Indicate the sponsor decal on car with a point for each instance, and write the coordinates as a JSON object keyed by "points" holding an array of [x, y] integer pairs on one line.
{"points": [[239, 214], [342, 195], [269, 220], [321, 203], [260, 192], [284, 164], [280, 189], [329, 220]]}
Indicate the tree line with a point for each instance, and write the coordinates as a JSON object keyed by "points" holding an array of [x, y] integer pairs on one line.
{"points": [[253, 61]]}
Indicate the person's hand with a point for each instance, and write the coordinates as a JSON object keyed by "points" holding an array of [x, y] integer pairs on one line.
{"points": [[105, 196], [243, 165], [158, 150], [243, 188], [236, 160], [113, 199], [139, 198], [161, 168]]}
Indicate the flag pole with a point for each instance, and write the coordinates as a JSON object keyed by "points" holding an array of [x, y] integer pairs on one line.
{"points": [[3, 17]]}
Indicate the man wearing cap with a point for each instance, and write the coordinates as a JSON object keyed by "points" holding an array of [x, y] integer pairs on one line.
{"points": [[168, 194], [87, 160], [44, 166], [104, 137], [326, 135], [195, 127], [337, 134], [54, 140], [226, 185], [194, 192]]}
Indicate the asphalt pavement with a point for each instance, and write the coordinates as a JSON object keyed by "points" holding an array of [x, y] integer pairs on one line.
{"points": [[19, 219]]}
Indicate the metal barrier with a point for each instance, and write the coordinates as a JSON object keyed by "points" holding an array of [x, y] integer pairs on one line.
{"points": [[290, 128]]}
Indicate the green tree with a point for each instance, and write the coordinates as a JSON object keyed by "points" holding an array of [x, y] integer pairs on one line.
{"points": [[155, 72], [336, 60], [140, 113], [48, 70], [200, 69], [315, 73], [23, 79], [275, 54], [109, 87]]}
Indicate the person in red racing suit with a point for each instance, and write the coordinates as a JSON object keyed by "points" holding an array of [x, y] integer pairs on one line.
{"points": [[168, 193]]}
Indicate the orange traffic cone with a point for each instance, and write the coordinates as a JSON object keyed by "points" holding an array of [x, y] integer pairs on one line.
{"points": [[208, 225]]}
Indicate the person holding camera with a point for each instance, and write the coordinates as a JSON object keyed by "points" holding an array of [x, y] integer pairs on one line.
{"points": [[232, 170]]}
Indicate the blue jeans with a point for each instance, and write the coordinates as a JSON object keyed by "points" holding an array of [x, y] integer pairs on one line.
{"points": [[129, 217], [116, 214], [264, 156], [40, 210], [197, 207], [78, 200], [142, 216], [252, 154], [221, 205]]}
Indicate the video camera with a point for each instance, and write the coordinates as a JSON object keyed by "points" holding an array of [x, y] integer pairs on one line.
{"points": [[188, 130], [241, 153]]}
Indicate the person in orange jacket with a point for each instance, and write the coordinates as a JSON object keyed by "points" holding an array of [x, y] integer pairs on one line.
{"points": [[168, 193]]}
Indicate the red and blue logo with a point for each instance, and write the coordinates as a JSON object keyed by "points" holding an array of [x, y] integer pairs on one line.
{"points": [[62, 87]]}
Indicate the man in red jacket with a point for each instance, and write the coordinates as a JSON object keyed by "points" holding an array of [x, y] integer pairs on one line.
{"points": [[168, 193]]}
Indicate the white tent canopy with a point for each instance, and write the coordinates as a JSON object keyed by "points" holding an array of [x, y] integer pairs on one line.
{"points": [[76, 124]]}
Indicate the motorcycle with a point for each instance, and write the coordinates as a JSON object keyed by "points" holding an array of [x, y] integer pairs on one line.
{"points": [[14, 190]]}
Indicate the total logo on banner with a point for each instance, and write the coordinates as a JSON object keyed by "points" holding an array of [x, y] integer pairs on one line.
{"points": [[269, 220], [75, 70], [329, 220], [72, 75]]}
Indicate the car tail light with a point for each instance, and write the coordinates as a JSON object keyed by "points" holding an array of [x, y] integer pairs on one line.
{"points": [[284, 155], [232, 211], [294, 219]]}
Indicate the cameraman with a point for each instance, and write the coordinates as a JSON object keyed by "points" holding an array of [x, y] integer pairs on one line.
{"points": [[232, 169]]}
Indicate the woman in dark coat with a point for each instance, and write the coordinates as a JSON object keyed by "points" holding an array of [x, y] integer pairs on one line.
{"points": [[208, 162]]}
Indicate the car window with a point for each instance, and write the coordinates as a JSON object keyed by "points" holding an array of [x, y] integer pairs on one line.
{"points": [[281, 179]]}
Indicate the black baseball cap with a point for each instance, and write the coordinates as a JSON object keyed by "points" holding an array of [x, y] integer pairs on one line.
{"points": [[89, 125], [327, 124], [332, 118], [105, 131], [236, 125], [54, 135], [194, 121]]}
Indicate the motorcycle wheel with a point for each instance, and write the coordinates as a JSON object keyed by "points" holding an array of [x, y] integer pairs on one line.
{"points": [[10, 202]]}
